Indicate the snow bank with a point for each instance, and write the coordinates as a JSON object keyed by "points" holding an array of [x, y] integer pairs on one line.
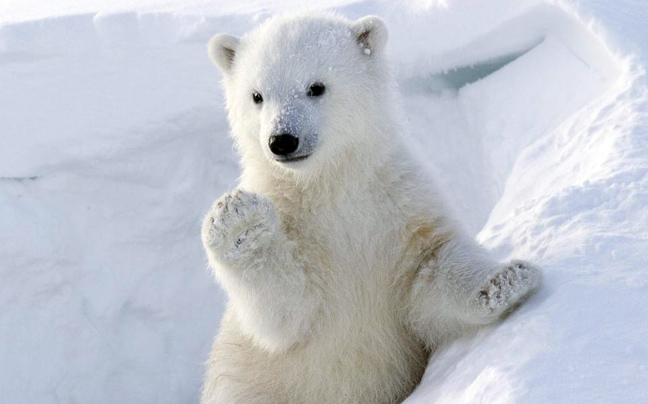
{"points": [[114, 143]]}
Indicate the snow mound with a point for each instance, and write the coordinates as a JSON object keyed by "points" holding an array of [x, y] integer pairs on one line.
{"points": [[114, 144]]}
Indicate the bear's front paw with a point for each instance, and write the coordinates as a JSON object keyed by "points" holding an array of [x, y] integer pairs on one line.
{"points": [[506, 288], [239, 223]]}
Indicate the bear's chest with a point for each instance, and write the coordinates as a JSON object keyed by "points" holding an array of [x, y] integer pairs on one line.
{"points": [[361, 235]]}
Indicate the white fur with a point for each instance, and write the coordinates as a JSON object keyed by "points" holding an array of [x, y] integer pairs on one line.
{"points": [[344, 270]]}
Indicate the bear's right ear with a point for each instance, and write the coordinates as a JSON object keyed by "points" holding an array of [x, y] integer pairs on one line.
{"points": [[222, 49]]}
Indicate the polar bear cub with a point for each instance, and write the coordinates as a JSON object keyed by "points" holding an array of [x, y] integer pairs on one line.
{"points": [[342, 266]]}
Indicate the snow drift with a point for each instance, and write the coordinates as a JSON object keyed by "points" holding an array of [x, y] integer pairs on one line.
{"points": [[114, 144]]}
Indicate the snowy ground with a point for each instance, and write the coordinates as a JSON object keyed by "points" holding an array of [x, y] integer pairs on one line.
{"points": [[113, 144]]}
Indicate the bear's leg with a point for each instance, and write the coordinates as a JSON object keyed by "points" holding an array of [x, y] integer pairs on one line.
{"points": [[461, 285], [260, 269]]}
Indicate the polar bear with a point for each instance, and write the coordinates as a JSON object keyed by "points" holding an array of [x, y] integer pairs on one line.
{"points": [[344, 269]]}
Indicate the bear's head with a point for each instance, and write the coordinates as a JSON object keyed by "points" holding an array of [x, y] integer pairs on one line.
{"points": [[305, 91]]}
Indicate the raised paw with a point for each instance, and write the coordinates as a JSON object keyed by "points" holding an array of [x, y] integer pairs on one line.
{"points": [[506, 288], [238, 223]]}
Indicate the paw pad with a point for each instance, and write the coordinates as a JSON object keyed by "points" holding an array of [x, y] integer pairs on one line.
{"points": [[508, 286], [237, 222]]}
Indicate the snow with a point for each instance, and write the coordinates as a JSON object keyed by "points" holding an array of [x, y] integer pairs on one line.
{"points": [[532, 113]]}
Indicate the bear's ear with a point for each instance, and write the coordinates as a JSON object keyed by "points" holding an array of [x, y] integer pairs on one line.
{"points": [[222, 49], [371, 34]]}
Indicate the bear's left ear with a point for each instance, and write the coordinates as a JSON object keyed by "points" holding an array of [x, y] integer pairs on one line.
{"points": [[371, 34], [222, 49]]}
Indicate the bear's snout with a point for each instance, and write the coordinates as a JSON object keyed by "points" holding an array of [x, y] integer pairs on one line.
{"points": [[284, 144]]}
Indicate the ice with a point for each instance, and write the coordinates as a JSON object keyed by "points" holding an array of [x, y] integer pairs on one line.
{"points": [[113, 136]]}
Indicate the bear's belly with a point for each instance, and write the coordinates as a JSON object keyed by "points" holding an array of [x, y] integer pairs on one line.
{"points": [[372, 362]]}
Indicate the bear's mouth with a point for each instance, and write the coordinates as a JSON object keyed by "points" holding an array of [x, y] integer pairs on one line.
{"points": [[293, 159]]}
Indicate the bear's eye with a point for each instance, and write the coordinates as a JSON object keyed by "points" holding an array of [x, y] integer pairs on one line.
{"points": [[316, 89], [257, 98]]}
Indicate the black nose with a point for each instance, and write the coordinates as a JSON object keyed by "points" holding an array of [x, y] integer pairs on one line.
{"points": [[282, 145]]}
